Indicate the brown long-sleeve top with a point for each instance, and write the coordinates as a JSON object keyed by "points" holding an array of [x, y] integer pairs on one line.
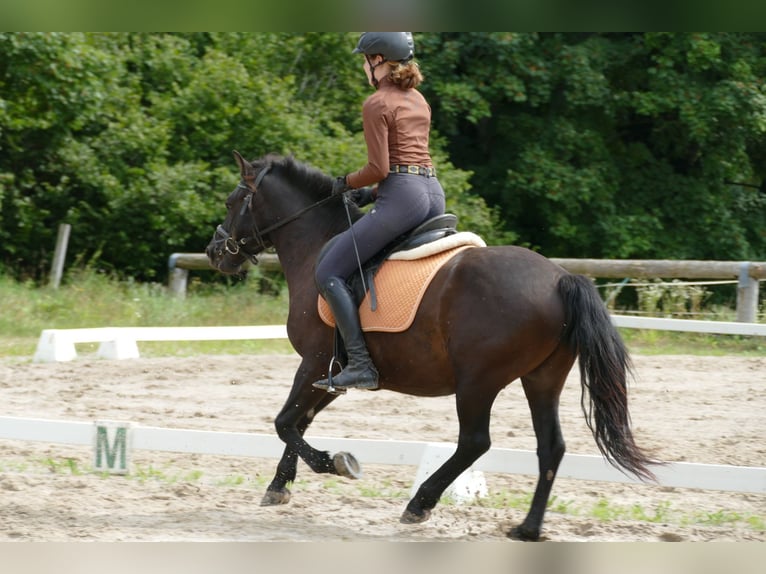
{"points": [[397, 123]]}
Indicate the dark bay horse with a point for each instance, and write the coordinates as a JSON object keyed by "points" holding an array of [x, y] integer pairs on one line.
{"points": [[490, 316]]}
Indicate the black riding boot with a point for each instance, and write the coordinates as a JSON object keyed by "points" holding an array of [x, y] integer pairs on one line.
{"points": [[360, 372]]}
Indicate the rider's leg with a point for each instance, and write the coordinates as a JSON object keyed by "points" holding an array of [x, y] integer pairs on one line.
{"points": [[404, 201], [360, 372]]}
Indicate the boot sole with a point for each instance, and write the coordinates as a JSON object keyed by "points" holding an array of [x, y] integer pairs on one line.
{"points": [[343, 388]]}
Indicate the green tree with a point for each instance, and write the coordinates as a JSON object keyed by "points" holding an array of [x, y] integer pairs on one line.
{"points": [[610, 145], [128, 137]]}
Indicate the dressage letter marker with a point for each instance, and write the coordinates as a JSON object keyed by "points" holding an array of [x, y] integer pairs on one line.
{"points": [[111, 447]]}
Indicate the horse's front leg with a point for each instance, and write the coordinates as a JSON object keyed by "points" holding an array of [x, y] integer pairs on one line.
{"points": [[303, 404]]}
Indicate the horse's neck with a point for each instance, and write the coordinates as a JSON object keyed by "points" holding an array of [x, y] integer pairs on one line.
{"points": [[298, 268], [298, 248], [298, 244]]}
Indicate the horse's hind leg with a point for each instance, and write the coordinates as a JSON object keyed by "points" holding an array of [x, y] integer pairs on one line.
{"points": [[287, 468], [543, 388], [473, 409]]}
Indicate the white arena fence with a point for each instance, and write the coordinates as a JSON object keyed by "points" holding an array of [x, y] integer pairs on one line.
{"points": [[121, 342], [113, 442]]}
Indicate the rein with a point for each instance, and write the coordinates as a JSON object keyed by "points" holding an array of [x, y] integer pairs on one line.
{"points": [[234, 246], [298, 214]]}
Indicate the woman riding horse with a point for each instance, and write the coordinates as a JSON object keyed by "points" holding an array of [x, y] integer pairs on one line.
{"points": [[397, 120], [490, 316]]}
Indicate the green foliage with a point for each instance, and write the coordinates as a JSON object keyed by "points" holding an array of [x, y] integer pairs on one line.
{"points": [[606, 145], [579, 145], [128, 137], [673, 299]]}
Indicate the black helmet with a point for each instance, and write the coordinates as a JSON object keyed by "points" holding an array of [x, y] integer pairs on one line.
{"points": [[397, 46]]}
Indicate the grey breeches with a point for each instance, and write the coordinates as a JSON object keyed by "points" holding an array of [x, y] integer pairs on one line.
{"points": [[404, 202]]}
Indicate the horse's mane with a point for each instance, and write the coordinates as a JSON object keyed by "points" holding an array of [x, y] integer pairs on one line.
{"points": [[299, 174]]}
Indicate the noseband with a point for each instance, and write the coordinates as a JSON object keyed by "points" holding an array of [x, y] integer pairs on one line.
{"points": [[224, 241]]}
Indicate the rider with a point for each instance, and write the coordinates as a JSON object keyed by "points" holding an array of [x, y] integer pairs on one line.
{"points": [[397, 121]]}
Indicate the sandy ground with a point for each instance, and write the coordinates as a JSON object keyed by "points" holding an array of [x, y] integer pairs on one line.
{"points": [[695, 409]]}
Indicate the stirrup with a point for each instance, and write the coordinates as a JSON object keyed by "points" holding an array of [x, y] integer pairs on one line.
{"points": [[326, 384], [369, 382]]}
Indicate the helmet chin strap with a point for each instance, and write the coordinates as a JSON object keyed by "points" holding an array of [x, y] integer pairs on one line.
{"points": [[372, 68]]}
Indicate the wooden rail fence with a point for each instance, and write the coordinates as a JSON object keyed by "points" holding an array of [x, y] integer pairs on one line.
{"points": [[747, 273]]}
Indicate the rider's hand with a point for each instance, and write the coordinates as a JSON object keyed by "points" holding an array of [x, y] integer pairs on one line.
{"points": [[362, 196], [340, 185]]}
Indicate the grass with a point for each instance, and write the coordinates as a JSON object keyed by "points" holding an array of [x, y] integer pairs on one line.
{"points": [[63, 466], [90, 299], [602, 509], [651, 342]]}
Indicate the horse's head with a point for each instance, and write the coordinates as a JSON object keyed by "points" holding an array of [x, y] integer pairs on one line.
{"points": [[260, 212], [238, 238]]}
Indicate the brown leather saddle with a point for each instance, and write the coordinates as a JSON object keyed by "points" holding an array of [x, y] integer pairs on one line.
{"points": [[430, 230]]}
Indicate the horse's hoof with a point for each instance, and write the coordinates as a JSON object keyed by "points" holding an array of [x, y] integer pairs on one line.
{"points": [[409, 517], [524, 534], [275, 497], [346, 465]]}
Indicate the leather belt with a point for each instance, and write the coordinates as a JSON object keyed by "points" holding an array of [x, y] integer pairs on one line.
{"points": [[414, 170]]}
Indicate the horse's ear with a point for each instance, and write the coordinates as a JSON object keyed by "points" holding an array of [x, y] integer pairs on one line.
{"points": [[242, 162]]}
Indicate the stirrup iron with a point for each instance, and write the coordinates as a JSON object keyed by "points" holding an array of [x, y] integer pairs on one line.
{"points": [[330, 388]]}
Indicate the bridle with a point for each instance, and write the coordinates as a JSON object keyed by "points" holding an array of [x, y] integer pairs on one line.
{"points": [[225, 241]]}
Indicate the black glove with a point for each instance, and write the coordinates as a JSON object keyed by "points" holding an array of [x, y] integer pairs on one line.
{"points": [[340, 185], [362, 196]]}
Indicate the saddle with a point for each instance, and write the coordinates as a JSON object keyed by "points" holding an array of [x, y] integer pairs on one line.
{"points": [[427, 232], [402, 270]]}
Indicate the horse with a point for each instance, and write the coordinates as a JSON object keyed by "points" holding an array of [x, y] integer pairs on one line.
{"points": [[491, 315]]}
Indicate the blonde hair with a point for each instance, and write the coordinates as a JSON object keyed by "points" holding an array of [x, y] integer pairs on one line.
{"points": [[405, 75]]}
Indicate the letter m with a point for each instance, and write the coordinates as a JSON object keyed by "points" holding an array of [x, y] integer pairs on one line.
{"points": [[111, 446]]}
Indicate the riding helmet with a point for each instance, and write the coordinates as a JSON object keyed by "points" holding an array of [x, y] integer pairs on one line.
{"points": [[397, 46]]}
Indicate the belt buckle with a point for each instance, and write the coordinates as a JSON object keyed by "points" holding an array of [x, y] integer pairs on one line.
{"points": [[413, 169]]}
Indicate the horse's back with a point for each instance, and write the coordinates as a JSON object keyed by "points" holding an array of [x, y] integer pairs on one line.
{"points": [[490, 313], [503, 293], [503, 274], [495, 293]]}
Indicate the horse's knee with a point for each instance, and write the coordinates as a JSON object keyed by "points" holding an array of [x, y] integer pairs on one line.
{"points": [[282, 426], [558, 451], [554, 452], [476, 442]]}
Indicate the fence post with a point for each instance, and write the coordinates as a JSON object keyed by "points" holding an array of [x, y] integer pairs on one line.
{"points": [[59, 255], [178, 277], [178, 280], [747, 295]]}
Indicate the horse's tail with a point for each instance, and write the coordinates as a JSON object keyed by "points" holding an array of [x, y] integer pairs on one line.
{"points": [[604, 369]]}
